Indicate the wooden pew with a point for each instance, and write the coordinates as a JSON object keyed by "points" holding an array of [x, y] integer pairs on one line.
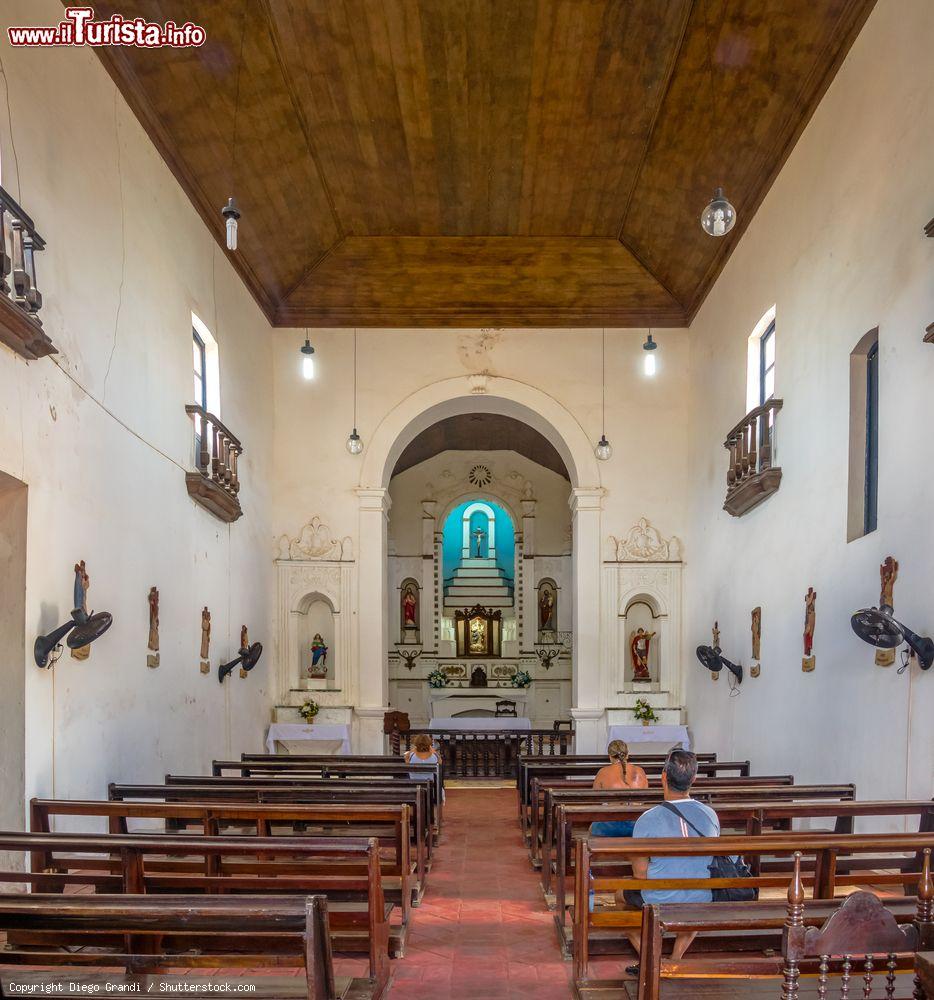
{"points": [[413, 794], [143, 934], [554, 796], [275, 785], [346, 871], [403, 882], [753, 818], [560, 770], [765, 938], [602, 863], [539, 786]]}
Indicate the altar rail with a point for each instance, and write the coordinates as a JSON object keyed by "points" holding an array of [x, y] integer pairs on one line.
{"points": [[487, 753]]}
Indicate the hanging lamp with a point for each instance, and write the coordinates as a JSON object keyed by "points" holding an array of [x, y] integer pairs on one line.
{"points": [[719, 217], [308, 359], [604, 449], [648, 358], [230, 212], [354, 442]]}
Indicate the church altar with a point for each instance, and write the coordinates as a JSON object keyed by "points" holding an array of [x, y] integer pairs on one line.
{"points": [[503, 722], [444, 703], [321, 737], [650, 739]]}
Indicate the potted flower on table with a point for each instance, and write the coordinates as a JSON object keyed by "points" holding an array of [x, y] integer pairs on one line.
{"points": [[644, 712], [309, 710], [521, 679], [437, 678]]}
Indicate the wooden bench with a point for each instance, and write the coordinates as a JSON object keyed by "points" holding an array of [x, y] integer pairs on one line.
{"points": [[772, 938], [413, 794], [403, 881], [539, 815], [553, 796], [753, 818], [346, 871], [602, 864], [488, 753], [142, 934]]}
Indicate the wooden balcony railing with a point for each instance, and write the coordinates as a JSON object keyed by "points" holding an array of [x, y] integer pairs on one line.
{"points": [[20, 298], [751, 476], [216, 484]]}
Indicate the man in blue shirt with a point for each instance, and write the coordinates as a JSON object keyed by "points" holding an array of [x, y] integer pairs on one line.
{"points": [[682, 817]]}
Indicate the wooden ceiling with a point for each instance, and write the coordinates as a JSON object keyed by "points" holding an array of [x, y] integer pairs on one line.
{"points": [[481, 162]]}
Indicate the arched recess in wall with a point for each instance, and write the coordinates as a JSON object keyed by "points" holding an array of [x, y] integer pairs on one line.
{"points": [[317, 633], [427, 406], [643, 614], [546, 604]]}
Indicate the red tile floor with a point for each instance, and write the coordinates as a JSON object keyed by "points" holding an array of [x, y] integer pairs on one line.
{"points": [[483, 930]]}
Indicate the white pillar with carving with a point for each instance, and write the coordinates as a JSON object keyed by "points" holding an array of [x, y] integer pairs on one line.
{"points": [[372, 621], [528, 595], [587, 685]]}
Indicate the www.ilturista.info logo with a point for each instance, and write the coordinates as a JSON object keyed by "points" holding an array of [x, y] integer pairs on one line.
{"points": [[80, 28]]}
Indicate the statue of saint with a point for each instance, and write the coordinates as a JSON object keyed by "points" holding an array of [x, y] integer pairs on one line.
{"points": [[888, 574], [244, 638], [409, 608], [546, 607], [82, 584], [639, 643], [756, 632], [810, 619], [154, 619], [319, 655], [205, 634], [479, 534]]}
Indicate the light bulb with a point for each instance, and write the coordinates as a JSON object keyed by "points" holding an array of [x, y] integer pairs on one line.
{"points": [[603, 450], [649, 364], [719, 217], [354, 443], [308, 360], [231, 213]]}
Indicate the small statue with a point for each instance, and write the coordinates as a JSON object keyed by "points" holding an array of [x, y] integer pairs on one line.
{"points": [[715, 636], [205, 634], [478, 678], [244, 638], [479, 534], [319, 656], [756, 632], [810, 619], [80, 612], [546, 607], [154, 619], [888, 574], [409, 608], [639, 642]]}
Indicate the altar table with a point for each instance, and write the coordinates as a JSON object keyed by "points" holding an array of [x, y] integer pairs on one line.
{"points": [[465, 722], [320, 737], [650, 739]]}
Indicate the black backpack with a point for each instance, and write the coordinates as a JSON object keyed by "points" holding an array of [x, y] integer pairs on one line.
{"points": [[723, 866]]}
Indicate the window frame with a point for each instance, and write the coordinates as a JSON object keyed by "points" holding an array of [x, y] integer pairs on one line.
{"points": [[871, 467], [202, 375], [765, 369]]}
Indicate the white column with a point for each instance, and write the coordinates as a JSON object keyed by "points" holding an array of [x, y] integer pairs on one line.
{"points": [[372, 621], [426, 610], [529, 605], [587, 684]]}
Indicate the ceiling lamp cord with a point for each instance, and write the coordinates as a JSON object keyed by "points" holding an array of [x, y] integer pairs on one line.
{"points": [[603, 450], [719, 217], [230, 212], [354, 442]]}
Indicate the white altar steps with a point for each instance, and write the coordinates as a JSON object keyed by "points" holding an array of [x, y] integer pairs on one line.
{"points": [[478, 581]]}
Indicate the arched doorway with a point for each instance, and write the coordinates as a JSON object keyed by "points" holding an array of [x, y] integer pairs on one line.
{"points": [[416, 414]]}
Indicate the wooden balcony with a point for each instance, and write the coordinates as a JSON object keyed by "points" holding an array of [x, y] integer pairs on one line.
{"points": [[216, 484], [20, 298], [751, 477]]}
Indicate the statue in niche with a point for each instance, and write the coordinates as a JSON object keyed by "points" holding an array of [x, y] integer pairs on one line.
{"points": [[546, 608], [152, 659], [80, 613], [478, 678], [810, 620], [639, 643], [409, 607], [479, 534], [477, 641], [888, 574], [756, 628], [319, 657], [205, 640]]}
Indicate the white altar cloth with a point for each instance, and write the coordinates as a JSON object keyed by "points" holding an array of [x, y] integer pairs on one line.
{"points": [[651, 739], [333, 733], [503, 722]]}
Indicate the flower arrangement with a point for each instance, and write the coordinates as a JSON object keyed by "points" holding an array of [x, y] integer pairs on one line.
{"points": [[644, 712], [437, 679], [521, 679], [309, 710]]}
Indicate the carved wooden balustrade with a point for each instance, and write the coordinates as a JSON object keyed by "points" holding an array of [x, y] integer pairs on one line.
{"points": [[20, 298], [751, 476], [216, 483]]}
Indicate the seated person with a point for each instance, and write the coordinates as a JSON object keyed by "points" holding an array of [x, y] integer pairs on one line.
{"points": [[666, 821], [619, 773], [422, 752]]}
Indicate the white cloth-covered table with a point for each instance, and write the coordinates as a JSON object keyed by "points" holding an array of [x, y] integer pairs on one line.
{"points": [[503, 722], [319, 732], [649, 739]]}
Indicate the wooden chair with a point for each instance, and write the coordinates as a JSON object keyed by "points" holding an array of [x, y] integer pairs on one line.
{"points": [[506, 708], [860, 932], [560, 724]]}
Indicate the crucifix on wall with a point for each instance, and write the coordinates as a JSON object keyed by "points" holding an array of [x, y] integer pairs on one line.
{"points": [[479, 534]]}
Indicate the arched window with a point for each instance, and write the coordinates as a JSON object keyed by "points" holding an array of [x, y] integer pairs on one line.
{"points": [[863, 483]]}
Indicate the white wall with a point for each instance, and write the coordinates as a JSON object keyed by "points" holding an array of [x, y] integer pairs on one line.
{"points": [[100, 436], [838, 247]]}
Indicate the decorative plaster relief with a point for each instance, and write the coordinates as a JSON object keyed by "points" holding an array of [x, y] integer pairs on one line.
{"points": [[314, 541], [644, 543]]}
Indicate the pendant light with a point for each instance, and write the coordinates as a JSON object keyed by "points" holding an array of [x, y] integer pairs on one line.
{"points": [[648, 357], [230, 212], [719, 217], [308, 359], [354, 442], [604, 450]]}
